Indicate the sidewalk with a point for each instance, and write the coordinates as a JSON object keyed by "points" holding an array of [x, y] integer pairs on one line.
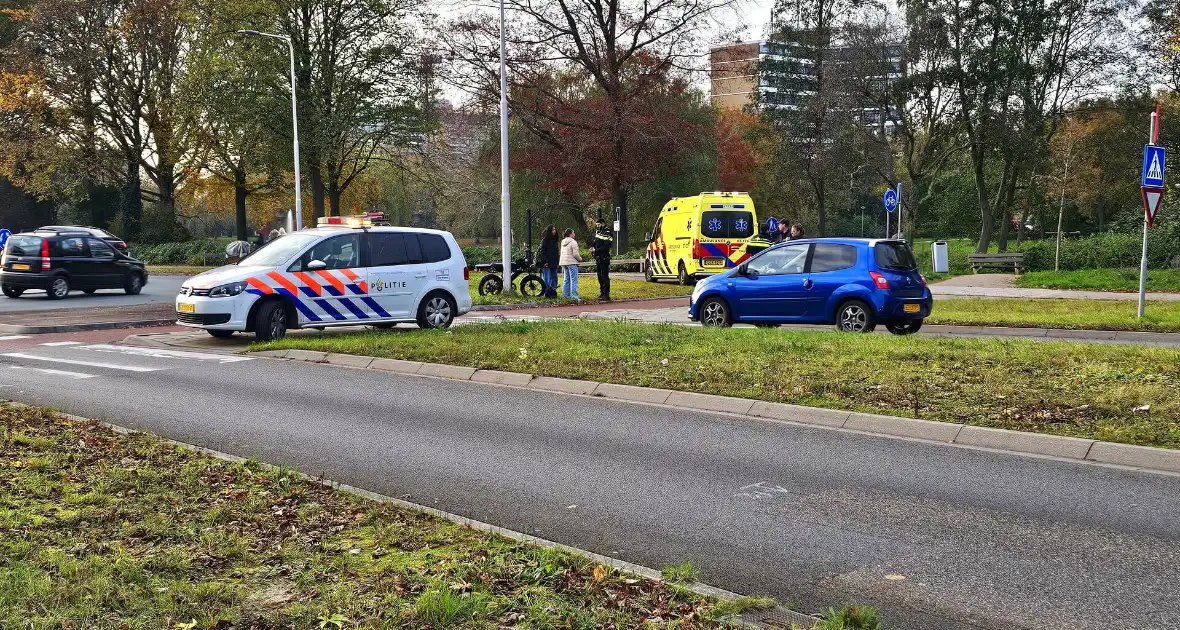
{"points": [[79, 319], [999, 285]]}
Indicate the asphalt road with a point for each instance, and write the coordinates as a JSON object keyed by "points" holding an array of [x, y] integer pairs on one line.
{"points": [[939, 537], [159, 289]]}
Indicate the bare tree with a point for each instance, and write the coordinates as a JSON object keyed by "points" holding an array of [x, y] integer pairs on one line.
{"points": [[619, 46]]}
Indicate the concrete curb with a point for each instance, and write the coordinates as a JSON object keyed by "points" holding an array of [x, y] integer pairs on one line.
{"points": [[491, 308], [769, 619], [19, 329], [1018, 442]]}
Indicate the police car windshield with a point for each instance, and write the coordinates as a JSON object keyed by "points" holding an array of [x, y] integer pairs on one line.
{"points": [[279, 250]]}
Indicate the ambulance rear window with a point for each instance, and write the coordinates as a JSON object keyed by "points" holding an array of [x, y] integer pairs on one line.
{"points": [[727, 224]]}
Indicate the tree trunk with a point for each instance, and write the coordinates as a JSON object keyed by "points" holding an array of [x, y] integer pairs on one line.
{"points": [[820, 198], [333, 202], [985, 206], [131, 201], [316, 177], [1006, 210], [240, 193]]}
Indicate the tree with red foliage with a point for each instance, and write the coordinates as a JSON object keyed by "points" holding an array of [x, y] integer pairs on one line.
{"points": [[590, 80], [587, 145], [736, 158]]}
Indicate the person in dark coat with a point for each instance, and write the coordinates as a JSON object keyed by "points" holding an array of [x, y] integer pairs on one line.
{"points": [[783, 233], [600, 248], [547, 259]]}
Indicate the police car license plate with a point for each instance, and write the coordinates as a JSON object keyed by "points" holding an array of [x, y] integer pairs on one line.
{"points": [[186, 308], [16, 267], [913, 308]]}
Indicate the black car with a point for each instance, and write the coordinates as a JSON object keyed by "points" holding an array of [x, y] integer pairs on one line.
{"points": [[61, 261], [112, 240]]}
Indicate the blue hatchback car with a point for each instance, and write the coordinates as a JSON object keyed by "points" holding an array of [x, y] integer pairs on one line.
{"points": [[852, 283]]}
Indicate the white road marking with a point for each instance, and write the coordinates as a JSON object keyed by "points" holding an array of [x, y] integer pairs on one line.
{"points": [[61, 343], [78, 375], [13, 337], [167, 354], [113, 366]]}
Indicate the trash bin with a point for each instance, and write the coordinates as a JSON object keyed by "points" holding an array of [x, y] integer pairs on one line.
{"points": [[939, 254]]}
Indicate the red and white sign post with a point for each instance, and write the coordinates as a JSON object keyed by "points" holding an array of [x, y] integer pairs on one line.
{"points": [[1152, 188]]}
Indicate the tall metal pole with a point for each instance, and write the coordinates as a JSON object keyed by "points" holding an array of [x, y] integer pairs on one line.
{"points": [[505, 194], [295, 142], [1151, 139], [294, 124]]}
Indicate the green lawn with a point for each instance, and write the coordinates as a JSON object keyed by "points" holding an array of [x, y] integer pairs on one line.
{"points": [[1127, 280], [1087, 390], [1070, 314], [101, 530], [588, 290]]}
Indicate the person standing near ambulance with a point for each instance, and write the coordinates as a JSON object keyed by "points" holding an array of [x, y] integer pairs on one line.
{"points": [[600, 251], [570, 257]]}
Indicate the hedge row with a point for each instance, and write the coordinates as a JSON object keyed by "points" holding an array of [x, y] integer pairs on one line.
{"points": [[187, 253], [1109, 250]]}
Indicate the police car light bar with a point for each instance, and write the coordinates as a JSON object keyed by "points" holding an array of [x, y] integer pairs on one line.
{"points": [[347, 221]]}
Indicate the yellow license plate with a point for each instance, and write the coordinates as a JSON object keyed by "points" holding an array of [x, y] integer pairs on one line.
{"points": [[714, 262], [913, 308], [186, 308], [16, 267]]}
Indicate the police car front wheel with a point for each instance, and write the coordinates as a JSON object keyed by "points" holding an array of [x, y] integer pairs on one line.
{"points": [[270, 323], [436, 311]]}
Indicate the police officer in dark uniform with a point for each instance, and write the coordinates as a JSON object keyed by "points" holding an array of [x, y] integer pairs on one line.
{"points": [[600, 249]]}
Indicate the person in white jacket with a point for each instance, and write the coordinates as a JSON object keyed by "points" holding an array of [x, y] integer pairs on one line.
{"points": [[568, 261]]}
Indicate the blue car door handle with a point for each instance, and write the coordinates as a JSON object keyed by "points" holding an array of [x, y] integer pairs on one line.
{"points": [[807, 284]]}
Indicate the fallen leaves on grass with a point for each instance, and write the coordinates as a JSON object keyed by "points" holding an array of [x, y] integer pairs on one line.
{"points": [[128, 531]]}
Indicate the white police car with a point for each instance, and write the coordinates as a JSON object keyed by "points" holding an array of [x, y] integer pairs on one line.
{"points": [[345, 272]]}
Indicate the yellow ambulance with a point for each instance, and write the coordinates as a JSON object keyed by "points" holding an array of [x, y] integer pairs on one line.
{"points": [[700, 235]]}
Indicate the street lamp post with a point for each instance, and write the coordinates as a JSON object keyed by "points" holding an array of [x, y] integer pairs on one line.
{"points": [[294, 124], [505, 193]]}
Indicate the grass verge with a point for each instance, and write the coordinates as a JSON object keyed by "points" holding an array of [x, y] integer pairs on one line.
{"points": [[1085, 390], [101, 530], [1120, 280], [1068, 314], [588, 289]]}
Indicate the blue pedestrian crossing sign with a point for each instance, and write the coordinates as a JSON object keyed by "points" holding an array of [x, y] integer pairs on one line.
{"points": [[890, 200], [4, 234], [1153, 166], [772, 224]]}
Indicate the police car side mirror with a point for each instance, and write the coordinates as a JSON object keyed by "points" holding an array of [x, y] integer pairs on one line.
{"points": [[647, 236], [316, 265]]}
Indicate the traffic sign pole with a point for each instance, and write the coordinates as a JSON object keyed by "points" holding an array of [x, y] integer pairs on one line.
{"points": [[1152, 158], [900, 211]]}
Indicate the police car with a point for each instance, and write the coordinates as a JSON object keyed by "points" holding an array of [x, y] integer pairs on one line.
{"points": [[346, 271]]}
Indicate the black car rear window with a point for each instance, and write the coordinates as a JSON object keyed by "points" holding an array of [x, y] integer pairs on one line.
{"points": [[23, 246], [894, 255]]}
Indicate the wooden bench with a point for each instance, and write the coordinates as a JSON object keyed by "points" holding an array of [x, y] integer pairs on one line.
{"points": [[1003, 260]]}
